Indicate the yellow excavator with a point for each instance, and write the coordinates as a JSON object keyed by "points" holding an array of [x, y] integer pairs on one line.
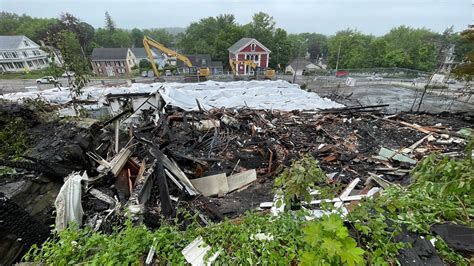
{"points": [[258, 73], [196, 74]]}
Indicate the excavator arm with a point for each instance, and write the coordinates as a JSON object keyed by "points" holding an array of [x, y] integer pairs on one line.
{"points": [[149, 42], [233, 63]]}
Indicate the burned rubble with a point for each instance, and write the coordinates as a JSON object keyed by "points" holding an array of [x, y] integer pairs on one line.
{"points": [[221, 162]]}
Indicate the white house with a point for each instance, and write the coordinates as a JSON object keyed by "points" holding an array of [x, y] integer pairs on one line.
{"points": [[300, 65], [19, 53], [140, 54]]}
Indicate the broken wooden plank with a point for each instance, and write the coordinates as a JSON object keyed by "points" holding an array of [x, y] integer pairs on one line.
{"points": [[347, 191], [242, 179], [344, 199], [211, 185], [119, 161], [164, 192], [174, 170], [379, 180], [416, 144], [143, 185]]}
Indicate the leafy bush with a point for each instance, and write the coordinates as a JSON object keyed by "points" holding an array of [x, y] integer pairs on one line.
{"points": [[440, 193], [235, 241], [328, 243], [295, 182]]}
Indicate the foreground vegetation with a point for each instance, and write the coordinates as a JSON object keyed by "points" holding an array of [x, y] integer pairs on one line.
{"points": [[441, 192]]}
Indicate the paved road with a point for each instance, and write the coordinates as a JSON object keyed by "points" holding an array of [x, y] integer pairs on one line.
{"points": [[21, 85]]}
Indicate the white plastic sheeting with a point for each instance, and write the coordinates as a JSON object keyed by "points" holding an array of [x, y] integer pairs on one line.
{"points": [[68, 202], [278, 95]]}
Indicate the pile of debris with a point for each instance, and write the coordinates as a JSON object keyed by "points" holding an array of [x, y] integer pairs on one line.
{"points": [[151, 159], [221, 162]]}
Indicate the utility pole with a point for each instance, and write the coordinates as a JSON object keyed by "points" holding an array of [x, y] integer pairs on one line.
{"points": [[337, 62]]}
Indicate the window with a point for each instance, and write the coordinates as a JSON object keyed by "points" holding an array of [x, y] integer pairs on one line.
{"points": [[26, 43], [203, 62], [252, 47], [29, 63], [25, 54], [15, 55], [18, 64]]}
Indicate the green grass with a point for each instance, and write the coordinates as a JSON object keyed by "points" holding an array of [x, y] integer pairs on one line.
{"points": [[22, 75]]}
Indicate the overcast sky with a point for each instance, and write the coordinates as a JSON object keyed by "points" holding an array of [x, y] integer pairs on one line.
{"points": [[323, 16]]}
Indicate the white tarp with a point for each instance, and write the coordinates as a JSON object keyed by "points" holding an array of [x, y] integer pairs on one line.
{"points": [[278, 95], [68, 202]]}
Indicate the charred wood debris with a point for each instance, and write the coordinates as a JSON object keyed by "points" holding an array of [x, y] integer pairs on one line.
{"points": [[156, 165]]}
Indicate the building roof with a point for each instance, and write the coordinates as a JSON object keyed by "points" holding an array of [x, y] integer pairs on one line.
{"points": [[109, 53], [141, 52], [244, 42], [198, 60], [10, 42], [300, 63]]}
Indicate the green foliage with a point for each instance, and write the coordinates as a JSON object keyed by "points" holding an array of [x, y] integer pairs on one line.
{"points": [[465, 54], [295, 182], [440, 193], [109, 22], [328, 243], [445, 176], [144, 64], [235, 240], [402, 47], [14, 139]]}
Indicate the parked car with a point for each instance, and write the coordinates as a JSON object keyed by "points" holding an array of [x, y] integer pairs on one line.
{"points": [[67, 74], [450, 81], [144, 74], [46, 80], [374, 78]]}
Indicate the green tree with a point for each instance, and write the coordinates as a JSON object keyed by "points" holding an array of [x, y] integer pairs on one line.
{"points": [[412, 48], [117, 38], [160, 35], [137, 37], [354, 48], [261, 28], [281, 49], [109, 22], [212, 35], [317, 44], [144, 64], [73, 60], [465, 70]]}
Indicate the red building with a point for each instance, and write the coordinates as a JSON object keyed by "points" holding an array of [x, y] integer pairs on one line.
{"points": [[249, 49]]}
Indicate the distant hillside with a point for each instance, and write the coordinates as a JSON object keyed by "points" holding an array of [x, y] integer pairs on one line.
{"points": [[174, 30]]}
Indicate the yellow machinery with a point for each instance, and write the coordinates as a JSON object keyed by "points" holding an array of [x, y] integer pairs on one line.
{"points": [[148, 42], [267, 73]]}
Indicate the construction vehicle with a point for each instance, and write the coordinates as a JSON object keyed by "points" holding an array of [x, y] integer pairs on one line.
{"points": [[258, 72], [195, 73]]}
